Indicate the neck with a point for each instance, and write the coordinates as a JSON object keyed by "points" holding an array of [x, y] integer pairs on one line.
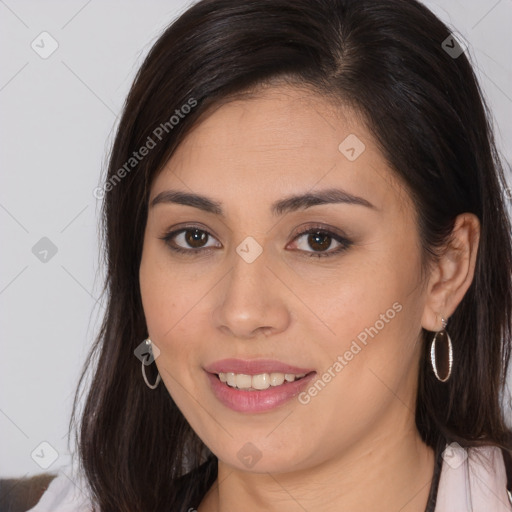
{"points": [[393, 472]]}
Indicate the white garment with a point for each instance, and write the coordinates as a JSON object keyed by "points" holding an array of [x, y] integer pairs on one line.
{"points": [[67, 492], [478, 484], [474, 480]]}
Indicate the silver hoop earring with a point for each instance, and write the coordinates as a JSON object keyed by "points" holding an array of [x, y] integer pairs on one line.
{"points": [[442, 346], [150, 360]]}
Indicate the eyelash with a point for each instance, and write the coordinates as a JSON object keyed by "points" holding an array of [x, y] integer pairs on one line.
{"points": [[344, 242]]}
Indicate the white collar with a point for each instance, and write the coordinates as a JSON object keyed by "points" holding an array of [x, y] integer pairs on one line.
{"points": [[473, 480]]}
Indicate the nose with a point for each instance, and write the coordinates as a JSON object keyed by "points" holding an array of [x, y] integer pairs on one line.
{"points": [[252, 301]]}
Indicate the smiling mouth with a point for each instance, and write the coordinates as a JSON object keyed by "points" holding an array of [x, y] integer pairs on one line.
{"points": [[259, 382]]}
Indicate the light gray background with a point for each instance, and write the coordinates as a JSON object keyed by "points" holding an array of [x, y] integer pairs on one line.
{"points": [[57, 119]]}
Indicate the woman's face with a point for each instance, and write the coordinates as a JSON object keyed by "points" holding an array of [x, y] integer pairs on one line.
{"points": [[344, 305]]}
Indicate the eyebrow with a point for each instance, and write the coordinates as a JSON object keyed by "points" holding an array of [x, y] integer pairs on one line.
{"points": [[286, 205]]}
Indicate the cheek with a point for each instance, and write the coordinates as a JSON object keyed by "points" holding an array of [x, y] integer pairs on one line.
{"points": [[153, 291], [163, 304], [165, 298], [374, 315], [174, 315]]}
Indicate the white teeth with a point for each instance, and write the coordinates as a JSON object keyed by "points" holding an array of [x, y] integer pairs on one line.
{"points": [[243, 381], [261, 381], [257, 382], [276, 379], [230, 379]]}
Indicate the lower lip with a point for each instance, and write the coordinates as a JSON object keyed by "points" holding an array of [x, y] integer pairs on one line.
{"points": [[257, 401]]}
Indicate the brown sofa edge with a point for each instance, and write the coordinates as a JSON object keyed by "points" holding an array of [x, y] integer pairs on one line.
{"points": [[21, 494]]}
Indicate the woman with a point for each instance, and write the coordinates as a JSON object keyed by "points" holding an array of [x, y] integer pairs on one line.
{"points": [[309, 258]]}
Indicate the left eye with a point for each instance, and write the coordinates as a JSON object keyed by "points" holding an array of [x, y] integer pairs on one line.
{"points": [[320, 241]]}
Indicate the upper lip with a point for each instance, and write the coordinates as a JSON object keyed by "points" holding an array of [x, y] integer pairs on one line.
{"points": [[254, 367]]}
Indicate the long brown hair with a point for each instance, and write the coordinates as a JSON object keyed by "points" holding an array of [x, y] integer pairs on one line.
{"points": [[386, 58]]}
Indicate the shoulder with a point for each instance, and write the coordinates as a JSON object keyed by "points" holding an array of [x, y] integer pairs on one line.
{"points": [[473, 480], [66, 493]]}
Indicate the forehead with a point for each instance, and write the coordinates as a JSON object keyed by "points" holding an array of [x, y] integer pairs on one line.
{"points": [[279, 139]]}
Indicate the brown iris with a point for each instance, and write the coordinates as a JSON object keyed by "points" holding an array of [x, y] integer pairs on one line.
{"points": [[195, 238], [319, 241]]}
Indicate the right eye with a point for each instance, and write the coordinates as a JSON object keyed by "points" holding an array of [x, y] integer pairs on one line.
{"points": [[192, 237]]}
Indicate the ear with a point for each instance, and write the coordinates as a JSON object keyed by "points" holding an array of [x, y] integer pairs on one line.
{"points": [[452, 275]]}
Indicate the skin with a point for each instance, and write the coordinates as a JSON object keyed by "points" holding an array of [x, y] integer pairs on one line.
{"points": [[358, 433]]}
